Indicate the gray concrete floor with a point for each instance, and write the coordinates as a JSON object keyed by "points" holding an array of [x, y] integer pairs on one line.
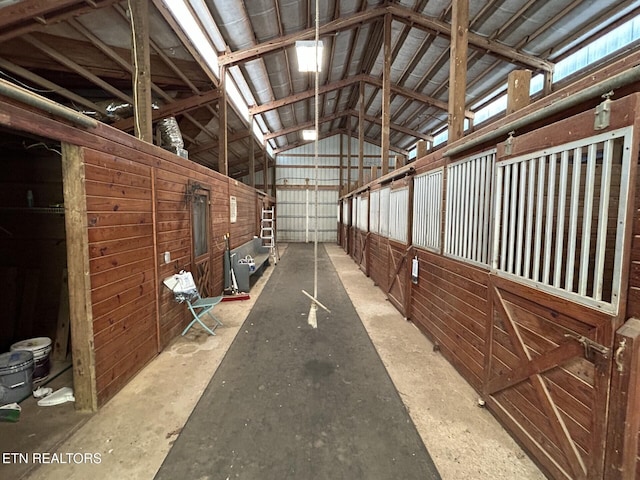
{"points": [[131, 435]]}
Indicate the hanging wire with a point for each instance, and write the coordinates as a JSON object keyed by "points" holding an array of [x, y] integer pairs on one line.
{"points": [[315, 155]]}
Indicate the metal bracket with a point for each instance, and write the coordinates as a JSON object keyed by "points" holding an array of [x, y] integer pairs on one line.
{"points": [[508, 144], [603, 112], [590, 347]]}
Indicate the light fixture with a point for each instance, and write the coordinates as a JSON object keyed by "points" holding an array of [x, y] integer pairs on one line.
{"points": [[309, 135], [306, 51]]}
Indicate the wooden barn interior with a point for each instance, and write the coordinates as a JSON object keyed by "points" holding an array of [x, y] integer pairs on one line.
{"points": [[476, 159]]}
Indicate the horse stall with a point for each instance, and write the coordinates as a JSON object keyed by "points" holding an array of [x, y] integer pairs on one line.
{"points": [[517, 256], [131, 214]]}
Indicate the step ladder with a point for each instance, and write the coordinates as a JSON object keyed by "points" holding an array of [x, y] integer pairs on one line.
{"points": [[268, 233]]}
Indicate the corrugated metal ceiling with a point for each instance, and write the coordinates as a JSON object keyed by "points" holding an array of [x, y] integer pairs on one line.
{"points": [[353, 37]]}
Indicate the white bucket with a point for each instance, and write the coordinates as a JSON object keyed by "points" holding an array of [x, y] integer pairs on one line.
{"points": [[40, 347]]}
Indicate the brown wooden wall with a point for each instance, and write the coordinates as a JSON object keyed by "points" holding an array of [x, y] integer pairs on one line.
{"points": [[518, 346], [136, 209]]}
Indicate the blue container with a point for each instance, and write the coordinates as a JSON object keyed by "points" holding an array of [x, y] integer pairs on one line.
{"points": [[16, 376]]}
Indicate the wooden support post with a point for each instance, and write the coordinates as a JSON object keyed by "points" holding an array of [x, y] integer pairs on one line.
{"points": [[265, 172], [518, 84], [349, 158], [547, 85], [374, 172], [252, 155], [61, 344], [273, 183], [421, 149], [341, 176], [401, 161], [361, 136], [223, 164], [80, 311], [143, 123], [458, 68], [624, 419], [386, 94]]}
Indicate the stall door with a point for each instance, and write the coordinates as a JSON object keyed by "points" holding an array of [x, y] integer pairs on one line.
{"points": [[548, 376], [200, 244]]}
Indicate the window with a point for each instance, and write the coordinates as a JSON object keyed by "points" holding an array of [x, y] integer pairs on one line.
{"points": [[427, 204], [468, 210], [398, 218], [560, 217], [363, 214], [345, 212], [200, 224], [384, 211], [374, 211]]}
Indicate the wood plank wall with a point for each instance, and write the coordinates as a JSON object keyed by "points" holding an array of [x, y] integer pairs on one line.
{"points": [[489, 327], [136, 210], [121, 238]]}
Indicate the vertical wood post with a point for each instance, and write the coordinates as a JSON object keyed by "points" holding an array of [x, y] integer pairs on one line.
{"points": [[624, 417], [421, 149], [252, 155], [341, 169], [265, 172], [143, 122], [361, 136], [386, 95], [408, 297], [547, 84], [223, 165], [458, 68], [80, 311], [518, 84], [349, 158]]}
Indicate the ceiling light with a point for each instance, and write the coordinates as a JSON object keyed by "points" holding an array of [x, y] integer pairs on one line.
{"points": [[306, 51], [309, 135]]}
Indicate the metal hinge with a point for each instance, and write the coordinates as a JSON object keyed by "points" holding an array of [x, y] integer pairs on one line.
{"points": [[590, 347], [603, 112]]}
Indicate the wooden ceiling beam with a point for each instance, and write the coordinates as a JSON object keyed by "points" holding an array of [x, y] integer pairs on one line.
{"points": [[168, 17], [478, 41], [54, 88], [348, 82], [297, 97], [231, 137], [337, 25], [178, 107], [31, 15], [29, 9], [74, 67]]}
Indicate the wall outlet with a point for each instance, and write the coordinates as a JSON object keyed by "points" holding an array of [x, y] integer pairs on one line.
{"points": [[167, 257]]}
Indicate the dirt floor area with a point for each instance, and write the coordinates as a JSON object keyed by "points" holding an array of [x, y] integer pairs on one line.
{"points": [[131, 435]]}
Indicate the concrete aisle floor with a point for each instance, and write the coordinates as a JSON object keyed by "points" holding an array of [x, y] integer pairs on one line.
{"points": [[132, 433]]}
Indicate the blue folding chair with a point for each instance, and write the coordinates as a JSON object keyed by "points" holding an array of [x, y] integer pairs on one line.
{"points": [[185, 291]]}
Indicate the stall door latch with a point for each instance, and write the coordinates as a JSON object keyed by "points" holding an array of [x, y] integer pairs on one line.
{"points": [[590, 347], [603, 112]]}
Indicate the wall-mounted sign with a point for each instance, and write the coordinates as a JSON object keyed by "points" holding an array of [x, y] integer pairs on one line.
{"points": [[233, 209]]}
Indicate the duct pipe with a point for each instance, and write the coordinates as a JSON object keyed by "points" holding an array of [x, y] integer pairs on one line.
{"points": [[617, 81], [25, 96]]}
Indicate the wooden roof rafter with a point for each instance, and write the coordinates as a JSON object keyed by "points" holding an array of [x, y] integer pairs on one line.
{"points": [[346, 83], [335, 116], [28, 16]]}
